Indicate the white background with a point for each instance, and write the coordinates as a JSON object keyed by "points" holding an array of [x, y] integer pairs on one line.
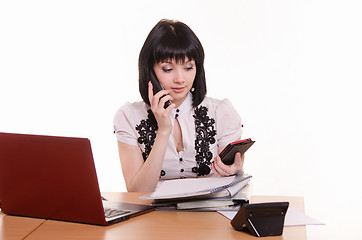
{"points": [[291, 68]]}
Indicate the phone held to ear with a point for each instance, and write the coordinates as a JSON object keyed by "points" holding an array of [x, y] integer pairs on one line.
{"points": [[158, 87], [227, 155]]}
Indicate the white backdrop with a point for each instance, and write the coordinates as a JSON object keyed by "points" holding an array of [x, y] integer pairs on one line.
{"points": [[291, 69]]}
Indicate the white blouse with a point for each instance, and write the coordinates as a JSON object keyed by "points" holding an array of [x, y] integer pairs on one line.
{"points": [[212, 124]]}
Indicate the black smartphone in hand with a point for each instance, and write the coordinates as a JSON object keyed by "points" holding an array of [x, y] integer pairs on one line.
{"points": [[158, 87], [227, 155]]}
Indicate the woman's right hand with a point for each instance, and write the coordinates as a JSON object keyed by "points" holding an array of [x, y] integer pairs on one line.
{"points": [[161, 114]]}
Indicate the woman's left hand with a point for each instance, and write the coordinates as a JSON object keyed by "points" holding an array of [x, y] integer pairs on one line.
{"points": [[220, 169]]}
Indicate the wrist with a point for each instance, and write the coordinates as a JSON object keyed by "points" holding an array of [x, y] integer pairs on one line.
{"points": [[164, 132], [239, 172]]}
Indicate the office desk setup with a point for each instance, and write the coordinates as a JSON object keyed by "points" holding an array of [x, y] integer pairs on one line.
{"points": [[69, 190], [153, 225]]}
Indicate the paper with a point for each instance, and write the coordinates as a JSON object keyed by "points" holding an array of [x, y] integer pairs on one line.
{"points": [[297, 218], [190, 185], [292, 218]]}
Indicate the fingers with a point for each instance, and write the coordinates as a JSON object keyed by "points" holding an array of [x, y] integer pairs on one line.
{"points": [[161, 114], [220, 169], [150, 91], [159, 99]]}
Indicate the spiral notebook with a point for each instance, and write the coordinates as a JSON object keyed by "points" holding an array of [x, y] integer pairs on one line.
{"points": [[192, 187]]}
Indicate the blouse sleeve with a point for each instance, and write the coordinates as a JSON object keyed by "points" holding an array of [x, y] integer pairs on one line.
{"points": [[124, 126], [228, 123]]}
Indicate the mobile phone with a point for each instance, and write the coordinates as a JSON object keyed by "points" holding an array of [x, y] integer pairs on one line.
{"points": [[158, 87], [227, 155]]}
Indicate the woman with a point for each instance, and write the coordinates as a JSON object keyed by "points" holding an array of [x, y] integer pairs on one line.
{"points": [[184, 139]]}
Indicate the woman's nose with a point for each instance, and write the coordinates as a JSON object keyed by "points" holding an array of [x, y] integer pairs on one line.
{"points": [[179, 77]]}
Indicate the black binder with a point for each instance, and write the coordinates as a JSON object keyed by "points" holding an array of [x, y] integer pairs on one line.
{"points": [[261, 219]]}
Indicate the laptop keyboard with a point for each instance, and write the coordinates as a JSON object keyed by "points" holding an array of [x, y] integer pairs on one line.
{"points": [[112, 212]]}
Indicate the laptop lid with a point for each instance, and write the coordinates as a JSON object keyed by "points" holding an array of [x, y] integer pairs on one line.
{"points": [[51, 177]]}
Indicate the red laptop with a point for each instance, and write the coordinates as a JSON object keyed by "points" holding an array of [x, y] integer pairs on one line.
{"points": [[55, 178]]}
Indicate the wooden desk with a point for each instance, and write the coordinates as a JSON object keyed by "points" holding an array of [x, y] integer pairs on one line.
{"points": [[160, 225], [12, 227]]}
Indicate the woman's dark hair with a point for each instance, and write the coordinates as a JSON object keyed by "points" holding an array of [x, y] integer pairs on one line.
{"points": [[172, 40]]}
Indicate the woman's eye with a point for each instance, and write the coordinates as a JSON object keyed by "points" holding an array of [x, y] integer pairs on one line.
{"points": [[167, 69], [189, 67]]}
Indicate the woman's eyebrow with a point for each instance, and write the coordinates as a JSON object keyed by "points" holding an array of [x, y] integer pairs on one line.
{"points": [[167, 61]]}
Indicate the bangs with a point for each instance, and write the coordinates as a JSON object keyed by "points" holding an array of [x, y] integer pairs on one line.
{"points": [[179, 55], [176, 47]]}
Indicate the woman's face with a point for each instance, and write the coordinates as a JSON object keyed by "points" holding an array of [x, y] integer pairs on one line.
{"points": [[176, 77]]}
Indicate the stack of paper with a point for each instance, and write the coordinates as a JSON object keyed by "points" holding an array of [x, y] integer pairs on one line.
{"points": [[202, 194]]}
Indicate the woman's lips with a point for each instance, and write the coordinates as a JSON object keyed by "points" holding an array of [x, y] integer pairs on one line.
{"points": [[178, 89]]}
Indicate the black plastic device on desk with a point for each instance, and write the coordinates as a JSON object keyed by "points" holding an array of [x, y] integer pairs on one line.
{"points": [[261, 219]]}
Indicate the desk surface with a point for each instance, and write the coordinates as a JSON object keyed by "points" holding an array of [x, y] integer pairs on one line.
{"points": [[154, 225], [12, 227]]}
